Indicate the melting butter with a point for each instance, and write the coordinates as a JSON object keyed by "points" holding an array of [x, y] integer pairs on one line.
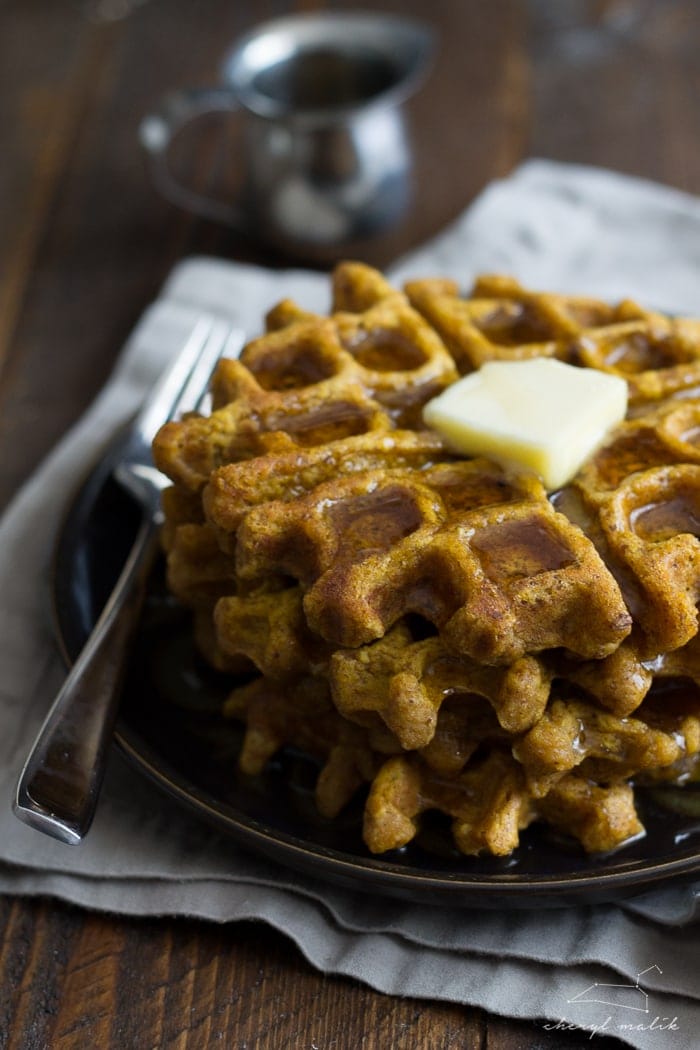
{"points": [[539, 414]]}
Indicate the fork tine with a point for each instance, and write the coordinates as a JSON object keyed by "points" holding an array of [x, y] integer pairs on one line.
{"points": [[166, 396], [196, 387]]}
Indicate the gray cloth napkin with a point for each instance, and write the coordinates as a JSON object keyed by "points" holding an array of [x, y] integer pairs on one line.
{"points": [[554, 226]]}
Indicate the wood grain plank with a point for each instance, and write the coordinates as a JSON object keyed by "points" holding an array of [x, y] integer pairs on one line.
{"points": [[36, 944], [139, 1008], [89, 986], [40, 108], [73, 287], [469, 120], [79, 979], [615, 86]]}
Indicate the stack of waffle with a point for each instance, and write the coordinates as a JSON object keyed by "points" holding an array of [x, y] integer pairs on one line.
{"points": [[439, 630]]}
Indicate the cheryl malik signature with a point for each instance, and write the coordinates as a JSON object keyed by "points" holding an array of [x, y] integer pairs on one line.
{"points": [[631, 1009]]}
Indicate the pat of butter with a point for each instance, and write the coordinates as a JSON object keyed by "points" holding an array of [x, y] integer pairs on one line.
{"points": [[539, 414]]}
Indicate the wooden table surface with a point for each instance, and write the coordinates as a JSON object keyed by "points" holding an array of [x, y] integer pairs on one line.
{"points": [[85, 245]]}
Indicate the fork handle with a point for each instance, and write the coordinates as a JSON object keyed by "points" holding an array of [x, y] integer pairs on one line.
{"points": [[58, 788]]}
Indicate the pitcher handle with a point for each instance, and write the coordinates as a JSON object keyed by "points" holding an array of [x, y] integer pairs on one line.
{"points": [[158, 129]]}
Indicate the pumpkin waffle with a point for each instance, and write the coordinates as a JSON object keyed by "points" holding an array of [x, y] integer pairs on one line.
{"points": [[500, 320], [490, 804], [254, 421], [618, 683], [355, 288], [575, 734], [179, 508], [310, 382], [238, 488], [664, 435], [439, 630], [406, 682], [302, 716], [198, 571], [602, 817], [207, 644], [499, 579], [269, 628], [487, 796], [466, 724], [638, 499]]}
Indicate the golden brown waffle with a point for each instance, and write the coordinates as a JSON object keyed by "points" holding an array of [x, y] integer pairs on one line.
{"points": [[406, 682], [663, 435], [501, 576], [487, 796], [638, 499], [179, 508], [601, 816], [621, 682], [388, 351], [490, 805], [657, 355], [269, 628], [238, 488], [618, 683], [207, 644], [650, 524], [682, 663], [198, 570], [302, 716], [251, 421], [438, 629], [309, 383], [466, 724], [500, 320], [574, 733]]}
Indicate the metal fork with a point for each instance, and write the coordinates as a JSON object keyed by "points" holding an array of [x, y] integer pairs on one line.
{"points": [[58, 788]]}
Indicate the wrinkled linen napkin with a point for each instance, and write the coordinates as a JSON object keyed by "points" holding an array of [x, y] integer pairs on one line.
{"points": [[553, 226]]}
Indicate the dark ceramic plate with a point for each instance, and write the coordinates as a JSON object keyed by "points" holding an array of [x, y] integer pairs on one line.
{"points": [[170, 728]]}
